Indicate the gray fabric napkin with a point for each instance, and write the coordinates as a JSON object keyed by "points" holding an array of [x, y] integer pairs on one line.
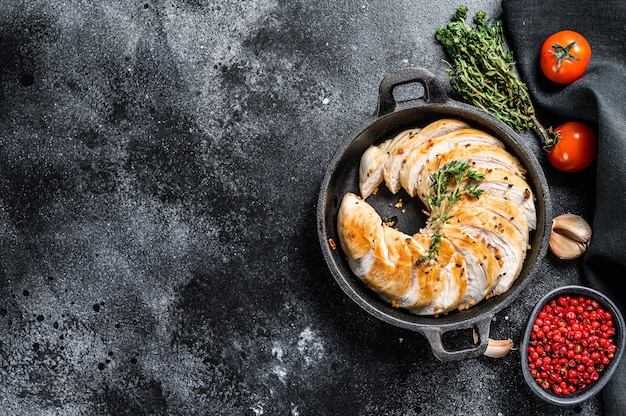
{"points": [[598, 98]]}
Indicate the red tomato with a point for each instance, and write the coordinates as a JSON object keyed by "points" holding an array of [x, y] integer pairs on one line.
{"points": [[565, 56], [575, 148]]}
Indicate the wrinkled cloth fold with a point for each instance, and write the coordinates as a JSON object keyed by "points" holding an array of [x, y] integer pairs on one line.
{"points": [[598, 99]]}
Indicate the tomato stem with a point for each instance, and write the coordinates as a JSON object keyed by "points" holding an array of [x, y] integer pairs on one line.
{"points": [[548, 138], [562, 53]]}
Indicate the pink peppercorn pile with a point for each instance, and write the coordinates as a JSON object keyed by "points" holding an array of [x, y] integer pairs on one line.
{"points": [[571, 343]]}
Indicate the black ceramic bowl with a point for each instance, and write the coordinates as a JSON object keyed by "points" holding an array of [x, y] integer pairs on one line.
{"points": [[595, 387]]}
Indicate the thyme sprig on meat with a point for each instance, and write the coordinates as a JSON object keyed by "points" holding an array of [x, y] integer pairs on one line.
{"points": [[483, 71], [448, 184]]}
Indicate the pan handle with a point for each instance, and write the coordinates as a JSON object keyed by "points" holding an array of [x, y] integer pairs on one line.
{"points": [[433, 93], [434, 334]]}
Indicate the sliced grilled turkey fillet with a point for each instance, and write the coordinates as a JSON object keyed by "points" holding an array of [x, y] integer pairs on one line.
{"points": [[477, 155], [483, 269], [378, 254], [483, 245], [396, 151], [427, 282], [371, 168], [419, 160], [504, 175], [388, 261], [391, 276], [482, 155], [360, 228], [412, 138], [502, 208], [374, 164], [509, 186], [450, 284], [500, 237], [384, 161]]}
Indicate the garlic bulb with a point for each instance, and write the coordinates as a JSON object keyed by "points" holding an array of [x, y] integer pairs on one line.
{"points": [[570, 236]]}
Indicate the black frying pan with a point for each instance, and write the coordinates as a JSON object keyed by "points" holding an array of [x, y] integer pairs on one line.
{"points": [[390, 118]]}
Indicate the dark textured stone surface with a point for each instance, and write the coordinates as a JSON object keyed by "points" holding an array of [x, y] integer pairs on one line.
{"points": [[159, 169]]}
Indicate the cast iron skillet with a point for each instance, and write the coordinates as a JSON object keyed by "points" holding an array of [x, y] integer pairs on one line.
{"points": [[390, 118]]}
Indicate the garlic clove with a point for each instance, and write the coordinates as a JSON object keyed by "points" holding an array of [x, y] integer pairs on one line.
{"points": [[565, 248], [498, 348], [573, 227]]}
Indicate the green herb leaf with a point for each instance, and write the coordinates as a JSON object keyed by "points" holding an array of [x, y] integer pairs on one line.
{"points": [[448, 184]]}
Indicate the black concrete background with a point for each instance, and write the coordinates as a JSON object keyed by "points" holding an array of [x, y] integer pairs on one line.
{"points": [[160, 163]]}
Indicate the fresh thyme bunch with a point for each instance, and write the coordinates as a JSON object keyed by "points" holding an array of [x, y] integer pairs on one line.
{"points": [[483, 72]]}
